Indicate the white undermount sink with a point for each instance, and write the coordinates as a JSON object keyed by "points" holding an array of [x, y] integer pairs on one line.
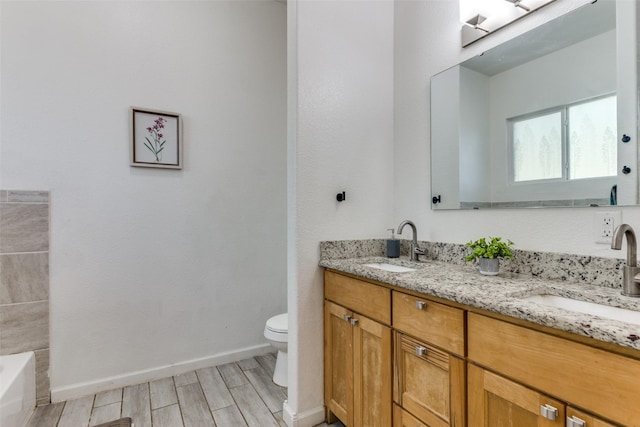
{"points": [[613, 313], [390, 267]]}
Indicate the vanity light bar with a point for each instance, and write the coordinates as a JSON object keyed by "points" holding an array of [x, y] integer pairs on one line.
{"points": [[493, 15], [476, 21], [518, 3]]}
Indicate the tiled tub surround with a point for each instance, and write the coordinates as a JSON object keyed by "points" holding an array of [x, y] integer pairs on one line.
{"points": [[445, 274], [24, 280]]}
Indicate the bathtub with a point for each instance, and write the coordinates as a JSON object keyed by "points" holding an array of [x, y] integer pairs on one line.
{"points": [[17, 389]]}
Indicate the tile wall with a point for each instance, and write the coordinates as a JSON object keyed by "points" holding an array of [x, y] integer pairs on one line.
{"points": [[24, 280]]}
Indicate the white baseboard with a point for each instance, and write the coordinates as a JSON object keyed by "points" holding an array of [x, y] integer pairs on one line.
{"points": [[309, 418], [60, 394]]}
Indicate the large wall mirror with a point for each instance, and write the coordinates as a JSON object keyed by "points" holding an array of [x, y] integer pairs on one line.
{"points": [[537, 122]]}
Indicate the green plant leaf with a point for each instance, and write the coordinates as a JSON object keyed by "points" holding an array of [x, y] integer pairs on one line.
{"points": [[495, 248]]}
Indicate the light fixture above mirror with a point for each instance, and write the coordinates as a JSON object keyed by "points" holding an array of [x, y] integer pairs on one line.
{"points": [[482, 17], [518, 3]]}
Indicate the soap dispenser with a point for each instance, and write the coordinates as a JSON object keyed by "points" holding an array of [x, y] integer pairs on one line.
{"points": [[393, 245]]}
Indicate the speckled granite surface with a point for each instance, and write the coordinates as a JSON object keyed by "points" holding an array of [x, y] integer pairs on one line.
{"points": [[503, 293], [545, 265]]}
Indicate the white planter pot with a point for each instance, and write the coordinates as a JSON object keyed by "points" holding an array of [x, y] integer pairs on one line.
{"points": [[489, 266]]}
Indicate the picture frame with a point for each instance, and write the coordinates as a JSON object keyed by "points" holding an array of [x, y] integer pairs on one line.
{"points": [[156, 138]]}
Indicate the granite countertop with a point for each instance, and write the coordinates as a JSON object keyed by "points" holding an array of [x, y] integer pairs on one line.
{"points": [[504, 294]]}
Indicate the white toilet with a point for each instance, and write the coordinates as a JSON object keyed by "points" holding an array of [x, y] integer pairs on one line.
{"points": [[276, 331]]}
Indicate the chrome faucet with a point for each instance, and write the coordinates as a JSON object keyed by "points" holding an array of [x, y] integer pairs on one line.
{"points": [[414, 250], [631, 274]]}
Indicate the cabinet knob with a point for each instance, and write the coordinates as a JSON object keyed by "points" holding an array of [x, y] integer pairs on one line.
{"points": [[421, 305], [421, 351], [354, 322], [549, 412], [576, 422], [346, 317]]}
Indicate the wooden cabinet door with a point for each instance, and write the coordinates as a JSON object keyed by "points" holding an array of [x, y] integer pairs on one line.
{"points": [[338, 362], [430, 383], [577, 418], [495, 401], [402, 418], [372, 373], [358, 368]]}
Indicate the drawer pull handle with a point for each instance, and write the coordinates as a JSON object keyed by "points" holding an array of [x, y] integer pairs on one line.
{"points": [[353, 321], [421, 351], [549, 412], [421, 305], [346, 317], [576, 422]]}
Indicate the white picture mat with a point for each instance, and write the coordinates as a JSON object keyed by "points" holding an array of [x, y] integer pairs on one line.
{"points": [[170, 155]]}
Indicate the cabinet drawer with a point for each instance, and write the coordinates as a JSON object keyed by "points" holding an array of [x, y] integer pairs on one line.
{"points": [[578, 417], [365, 298], [604, 382], [432, 322], [430, 383]]}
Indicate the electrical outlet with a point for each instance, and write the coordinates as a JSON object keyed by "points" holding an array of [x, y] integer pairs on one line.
{"points": [[605, 224]]}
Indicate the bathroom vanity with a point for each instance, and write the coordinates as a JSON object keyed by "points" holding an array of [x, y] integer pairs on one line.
{"points": [[443, 346]]}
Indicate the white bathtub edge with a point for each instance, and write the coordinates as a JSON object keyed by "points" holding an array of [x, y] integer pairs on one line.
{"points": [[18, 391]]}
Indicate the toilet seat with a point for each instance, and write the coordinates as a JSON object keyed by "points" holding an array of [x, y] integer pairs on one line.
{"points": [[278, 324], [277, 328]]}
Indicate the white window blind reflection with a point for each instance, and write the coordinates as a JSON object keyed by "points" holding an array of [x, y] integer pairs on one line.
{"points": [[540, 147], [592, 139], [537, 148]]}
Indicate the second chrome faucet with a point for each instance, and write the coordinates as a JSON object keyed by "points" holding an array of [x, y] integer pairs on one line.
{"points": [[631, 274]]}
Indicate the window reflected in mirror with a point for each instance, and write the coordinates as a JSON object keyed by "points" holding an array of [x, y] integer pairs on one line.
{"points": [[575, 141]]}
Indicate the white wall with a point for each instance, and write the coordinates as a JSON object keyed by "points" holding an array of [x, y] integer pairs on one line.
{"points": [[341, 138], [447, 94], [151, 268], [475, 152], [427, 41]]}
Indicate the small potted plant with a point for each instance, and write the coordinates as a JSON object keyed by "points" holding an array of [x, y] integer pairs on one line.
{"points": [[488, 252]]}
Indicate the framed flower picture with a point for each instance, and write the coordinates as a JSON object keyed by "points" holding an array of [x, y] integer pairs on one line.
{"points": [[156, 139]]}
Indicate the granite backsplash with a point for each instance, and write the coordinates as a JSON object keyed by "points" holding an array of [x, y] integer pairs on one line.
{"points": [[545, 265]]}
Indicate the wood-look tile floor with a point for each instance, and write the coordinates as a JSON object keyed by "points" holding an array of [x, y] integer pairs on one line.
{"points": [[236, 394]]}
